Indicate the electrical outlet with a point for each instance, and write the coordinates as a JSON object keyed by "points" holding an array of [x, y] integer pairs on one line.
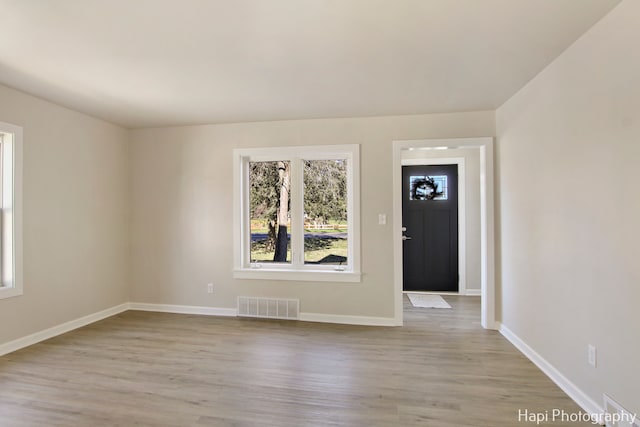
{"points": [[591, 355], [209, 288]]}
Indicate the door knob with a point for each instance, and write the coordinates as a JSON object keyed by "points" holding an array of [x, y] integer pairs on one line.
{"points": [[406, 238]]}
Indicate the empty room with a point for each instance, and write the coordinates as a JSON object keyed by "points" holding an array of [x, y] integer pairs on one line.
{"points": [[319, 213]]}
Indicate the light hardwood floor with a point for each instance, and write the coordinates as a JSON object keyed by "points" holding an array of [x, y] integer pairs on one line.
{"points": [[152, 369]]}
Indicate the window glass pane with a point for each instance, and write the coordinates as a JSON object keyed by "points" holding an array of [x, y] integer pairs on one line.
{"points": [[270, 213], [428, 187], [325, 212]]}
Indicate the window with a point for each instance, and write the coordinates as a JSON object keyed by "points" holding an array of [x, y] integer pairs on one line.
{"points": [[10, 210], [428, 187], [297, 213]]}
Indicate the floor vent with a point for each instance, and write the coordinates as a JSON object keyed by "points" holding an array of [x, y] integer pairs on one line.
{"points": [[269, 308], [617, 416]]}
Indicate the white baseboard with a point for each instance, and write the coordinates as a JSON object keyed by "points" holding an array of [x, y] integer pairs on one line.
{"points": [[305, 317], [348, 320], [37, 337], [585, 402], [473, 292], [23, 342], [183, 309]]}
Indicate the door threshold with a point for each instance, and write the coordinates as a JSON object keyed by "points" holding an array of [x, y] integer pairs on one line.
{"points": [[432, 292]]}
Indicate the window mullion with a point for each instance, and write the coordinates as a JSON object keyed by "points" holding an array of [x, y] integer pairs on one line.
{"points": [[241, 187], [353, 241], [297, 214], [2, 239]]}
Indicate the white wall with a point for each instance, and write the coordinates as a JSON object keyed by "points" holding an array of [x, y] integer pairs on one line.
{"points": [[182, 206], [472, 204], [569, 212], [75, 216]]}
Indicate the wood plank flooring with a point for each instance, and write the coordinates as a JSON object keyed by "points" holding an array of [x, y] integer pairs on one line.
{"points": [[152, 369]]}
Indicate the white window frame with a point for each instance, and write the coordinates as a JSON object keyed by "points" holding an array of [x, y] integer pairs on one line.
{"points": [[10, 210], [296, 269]]}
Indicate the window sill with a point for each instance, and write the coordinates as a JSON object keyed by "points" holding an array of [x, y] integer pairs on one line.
{"points": [[8, 292], [305, 276]]}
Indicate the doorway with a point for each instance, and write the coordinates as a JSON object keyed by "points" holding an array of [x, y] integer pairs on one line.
{"points": [[430, 250], [431, 148]]}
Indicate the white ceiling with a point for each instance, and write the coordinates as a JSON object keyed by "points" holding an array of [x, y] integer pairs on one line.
{"points": [[143, 63]]}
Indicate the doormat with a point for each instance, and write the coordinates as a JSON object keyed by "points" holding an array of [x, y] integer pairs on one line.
{"points": [[427, 301]]}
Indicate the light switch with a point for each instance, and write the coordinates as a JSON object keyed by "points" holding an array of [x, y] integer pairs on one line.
{"points": [[382, 219]]}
